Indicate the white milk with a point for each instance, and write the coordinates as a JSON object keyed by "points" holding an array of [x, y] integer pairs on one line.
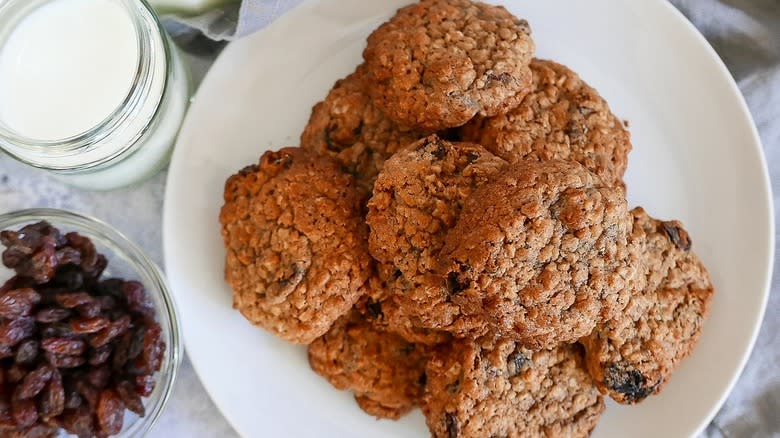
{"points": [[66, 67], [69, 68]]}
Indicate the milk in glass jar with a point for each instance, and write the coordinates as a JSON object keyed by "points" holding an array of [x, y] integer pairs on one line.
{"points": [[90, 90]]}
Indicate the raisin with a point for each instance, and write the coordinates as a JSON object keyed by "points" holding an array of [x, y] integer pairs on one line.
{"points": [[122, 350], [375, 308], [106, 302], [75, 299], [37, 431], [131, 400], [111, 287], [144, 385], [100, 355], [110, 412], [50, 315], [33, 382], [70, 278], [13, 331], [72, 399], [97, 269], [64, 346], [24, 412], [41, 266], [78, 421], [52, 400], [91, 325], [150, 358], [677, 235], [85, 247], [515, 363], [452, 425], [6, 351], [629, 382], [27, 352], [137, 300], [137, 344], [454, 284], [18, 302], [115, 329], [98, 377], [61, 361], [89, 310], [68, 256], [87, 392], [15, 373], [56, 330]]}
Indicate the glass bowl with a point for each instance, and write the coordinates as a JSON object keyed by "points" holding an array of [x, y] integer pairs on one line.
{"points": [[125, 260]]}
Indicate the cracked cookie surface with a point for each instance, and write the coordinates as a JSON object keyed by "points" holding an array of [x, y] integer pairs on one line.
{"points": [[492, 387], [417, 198], [438, 63], [296, 256], [561, 118], [634, 354], [541, 251], [348, 127], [386, 372]]}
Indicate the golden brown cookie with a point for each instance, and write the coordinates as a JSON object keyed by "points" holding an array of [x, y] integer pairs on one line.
{"points": [[494, 388], [296, 243], [348, 127], [417, 198], [633, 355], [438, 63], [562, 118], [541, 252], [386, 372]]}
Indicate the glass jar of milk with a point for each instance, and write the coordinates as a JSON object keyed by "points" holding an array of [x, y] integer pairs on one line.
{"points": [[91, 90]]}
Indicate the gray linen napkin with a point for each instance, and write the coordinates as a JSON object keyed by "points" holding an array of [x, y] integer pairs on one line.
{"points": [[746, 34]]}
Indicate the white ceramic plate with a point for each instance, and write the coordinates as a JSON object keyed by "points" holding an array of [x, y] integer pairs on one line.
{"points": [[696, 157]]}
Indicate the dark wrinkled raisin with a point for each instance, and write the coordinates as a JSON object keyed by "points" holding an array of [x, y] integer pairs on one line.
{"points": [[106, 302], [87, 392], [72, 399], [122, 351], [6, 351], [24, 412], [677, 235], [137, 300], [629, 382], [13, 331], [89, 310], [62, 361], [516, 362], [440, 151], [52, 400], [98, 377], [15, 373], [150, 358], [452, 425], [16, 282], [111, 287], [56, 330], [68, 256], [132, 401], [115, 329], [33, 382], [18, 302], [85, 247], [88, 325], [375, 308], [69, 277], [78, 422], [100, 355], [137, 345], [75, 299], [41, 266], [110, 412], [27, 352], [50, 315], [144, 385], [97, 269], [64, 346], [454, 284], [37, 431]]}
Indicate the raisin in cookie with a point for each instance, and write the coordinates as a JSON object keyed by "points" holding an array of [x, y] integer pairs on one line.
{"points": [[417, 198], [494, 388], [296, 243], [542, 252], [561, 118], [348, 127], [633, 355], [438, 63], [386, 372]]}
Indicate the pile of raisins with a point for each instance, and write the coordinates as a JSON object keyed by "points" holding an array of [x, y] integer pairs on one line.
{"points": [[75, 350]]}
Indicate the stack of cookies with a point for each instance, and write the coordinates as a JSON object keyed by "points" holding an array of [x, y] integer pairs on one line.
{"points": [[453, 234]]}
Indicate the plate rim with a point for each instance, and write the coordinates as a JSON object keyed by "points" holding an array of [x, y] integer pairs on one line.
{"points": [[722, 71]]}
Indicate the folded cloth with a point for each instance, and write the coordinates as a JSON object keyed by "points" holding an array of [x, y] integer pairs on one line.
{"points": [[746, 34]]}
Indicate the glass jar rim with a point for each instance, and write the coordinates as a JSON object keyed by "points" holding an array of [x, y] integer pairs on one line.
{"points": [[119, 115]]}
